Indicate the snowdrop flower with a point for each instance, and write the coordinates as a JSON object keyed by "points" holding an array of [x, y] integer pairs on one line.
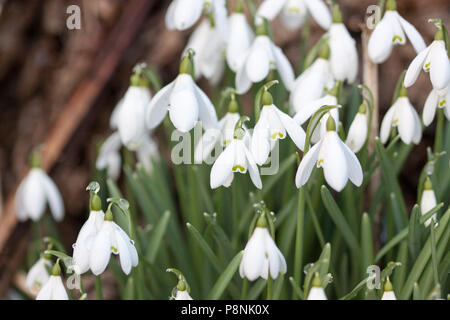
{"points": [[34, 192], [390, 31], [432, 59], [87, 234], [293, 12], [261, 255], [184, 100], [240, 37], [38, 275], [130, 122], [110, 238], [388, 293], [235, 158], [147, 152], [428, 201], [403, 116], [436, 99], [53, 289], [271, 126], [357, 134], [343, 53], [311, 83], [316, 292], [109, 156], [339, 163], [182, 292], [261, 57]]}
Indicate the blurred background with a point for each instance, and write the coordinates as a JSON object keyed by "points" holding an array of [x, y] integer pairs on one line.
{"points": [[61, 85]]}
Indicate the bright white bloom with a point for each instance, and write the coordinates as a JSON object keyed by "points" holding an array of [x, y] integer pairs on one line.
{"points": [[109, 156], [262, 57], [53, 289], [316, 292], [114, 118], [131, 124], [339, 163], [403, 116], [38, 275], [112, 239], [357, 134], [240, 38], [390, 31], [235, 158], [184, 100], [86, 236], [432, 59], [183, 295], [428, 201], [273, 124], [388, 293], [436, 99], [261, 257], [293, 12], [147, 152], [34, 192]]}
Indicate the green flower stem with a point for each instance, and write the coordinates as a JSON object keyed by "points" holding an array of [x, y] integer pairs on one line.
{"points": [[299, 239], [244, 289], [234, 203], [433, 253], [98, 287], [269, 288], [439, 134]]}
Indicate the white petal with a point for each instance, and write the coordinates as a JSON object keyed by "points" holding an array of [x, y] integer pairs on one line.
{"points": [[46, 292], [206, 145], [252, 168], [293, 14], [284, 68], [260, 145], [207, 113], [269, 9], [343, 55], [428, 202], [415, 67], [110, 146], [37, 276], [124, 254], [222, 168], [334, 161], [386, 124], [169, 18], [388, 295], [59, 292], [380, 42], [274, 259], [186, 13], [413, 35], [183, 110], [320, 13], [157, 108], [243, 83], [357, 134], [294, 130], [34, 195], [254, 255], [54, 198], [355, 172], [316, 293], [417, 128], [240, 39], [406, 120], [257, 63], [101, 249], [183, 295], [440, 66], [307, 164], [21, 212]]}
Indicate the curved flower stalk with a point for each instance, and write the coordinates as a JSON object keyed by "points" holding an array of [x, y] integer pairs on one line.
{"points": [[428, 201], [184, 100], [388, 293], [273, 124], [35, 191], [436, 99], [53, 289], [404, 117], [343, 53], [181, 291], [261, 256], [262, 57], [38, 275], [316, 292], [432, 59], [389, 32], [339, 163], [110, 238], [293, 12], [312, 83], [240, 37], [236, 158], [357, 134]]}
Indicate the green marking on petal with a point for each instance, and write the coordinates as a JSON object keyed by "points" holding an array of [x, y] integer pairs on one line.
{"points": [[442, 103], [277, 135], [238, 168], [226, 142], [319, 163], [395, 38], [114, 249], [294, 10]]}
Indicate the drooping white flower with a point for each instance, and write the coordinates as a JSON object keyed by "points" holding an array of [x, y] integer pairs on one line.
{"points": [[436, 99], [293, 12], [403, 116], [38, 275], [111, 239], [260, 58], [316, 292], [53, 289], [147, 152], [311, 83], [183, 295], [240, 37], [34, 192], [357, 134], [339, 163], [184, 100], [273, 124], [261, 256], [343, 53], [235, 158], [432, 59], [428, 201], [109, 156], [390, 31], [388, 293]]}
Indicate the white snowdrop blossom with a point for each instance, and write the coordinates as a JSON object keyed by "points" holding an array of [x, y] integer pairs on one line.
{"points": [[183, 295], [388, 293], [316, 292], [339, 163], [240, 38], [184, 100], [34, 192], [38, 275], [273, 124], [53, 289], [436, 99], [432, 59], [428, 201], [109, 156], [293, 12], [404, 117], [260, 58], [261, 256], [357, 133], [147, 152], [390, 31], [110, 238]]}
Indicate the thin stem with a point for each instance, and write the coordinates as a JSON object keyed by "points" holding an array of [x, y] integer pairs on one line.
{"points": [[433, 253], [439, 131], [244, 289], [299, 239], [234, 195], [269, 288], [98, 287]]}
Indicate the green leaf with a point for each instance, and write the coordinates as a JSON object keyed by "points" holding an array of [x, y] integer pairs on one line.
{"points": [[225, 278], [313, 122], [312, 54], [296, 288], [157, 236], [205, 247], [366, 242], [414, 234]]}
